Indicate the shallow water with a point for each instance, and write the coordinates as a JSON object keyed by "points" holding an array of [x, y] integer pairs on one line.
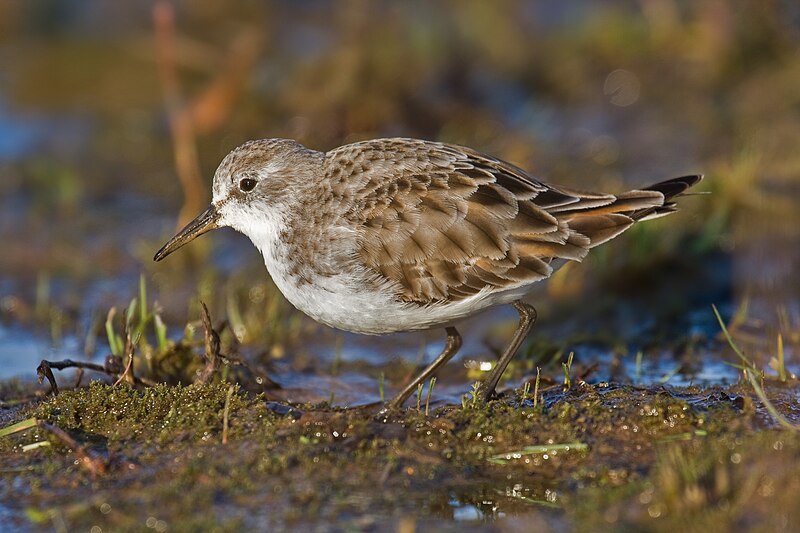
{"points": [[21, 352]]}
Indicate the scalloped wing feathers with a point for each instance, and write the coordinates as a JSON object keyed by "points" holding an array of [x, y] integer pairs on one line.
{"points": [[441, 223]]}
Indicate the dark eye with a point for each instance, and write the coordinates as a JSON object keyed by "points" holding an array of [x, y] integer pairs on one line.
{"points": [[247, 184]]}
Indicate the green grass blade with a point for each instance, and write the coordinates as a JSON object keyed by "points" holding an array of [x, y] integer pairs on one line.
{"points": [[431, 384], [671, 374], [19, 426], [689, 435], [771, 409], [733, 345], [781, 359], [161, 332], [112, 337], [142, 301], [750, 373], [35, 445], [129, 313], [503, 458]]}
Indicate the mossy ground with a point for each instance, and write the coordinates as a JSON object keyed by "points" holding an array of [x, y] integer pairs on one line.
{"points": [[653, 458]]}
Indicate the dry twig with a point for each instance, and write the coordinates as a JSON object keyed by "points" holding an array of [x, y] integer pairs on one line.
{"points": [[92, 461], [212, 344], [127, 375]]}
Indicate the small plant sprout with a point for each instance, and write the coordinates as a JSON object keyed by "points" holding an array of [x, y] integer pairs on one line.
{"points": [[779, 364], [428, 397], [381, 383], [136, 318], [526, 389], [476, 394], [536, 387], [130, 336], [567, 367], [115, 343], [419, 395], [471, 399], [161, 332], [131, 311], [144, 315]]}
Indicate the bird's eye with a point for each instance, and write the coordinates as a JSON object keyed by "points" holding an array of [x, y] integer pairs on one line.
{"points": [[247, 184]]}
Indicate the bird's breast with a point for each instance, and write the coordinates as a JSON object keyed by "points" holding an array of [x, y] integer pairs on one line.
{"points": [[322, 276]]}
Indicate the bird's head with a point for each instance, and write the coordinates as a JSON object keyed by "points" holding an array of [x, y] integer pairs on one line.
{"points": [[252, 187]]}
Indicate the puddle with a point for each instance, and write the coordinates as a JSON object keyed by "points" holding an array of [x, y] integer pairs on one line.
{"points": [[348, 368], [493, 503], [20, 352]]}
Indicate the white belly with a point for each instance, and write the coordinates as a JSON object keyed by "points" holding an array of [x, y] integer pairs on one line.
{"points": [[349, 299], [348, 303]]}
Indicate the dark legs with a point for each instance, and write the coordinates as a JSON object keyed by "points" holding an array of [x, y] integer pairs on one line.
{"points": [[450, 348], [527, 317]]}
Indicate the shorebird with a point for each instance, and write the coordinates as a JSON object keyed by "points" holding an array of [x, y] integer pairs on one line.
{"points": [[393, 235]]}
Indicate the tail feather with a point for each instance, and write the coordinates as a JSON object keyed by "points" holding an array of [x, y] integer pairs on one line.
{"points": [[670, 189], [602, 223], [675, 186]]}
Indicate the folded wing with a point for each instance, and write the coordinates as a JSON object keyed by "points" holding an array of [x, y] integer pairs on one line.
{"points": [[441, 223]]}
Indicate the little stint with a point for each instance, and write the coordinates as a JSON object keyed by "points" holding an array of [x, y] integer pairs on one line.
{"points": [[395, 235]]}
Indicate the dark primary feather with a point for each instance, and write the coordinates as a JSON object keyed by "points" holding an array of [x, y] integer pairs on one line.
{"points": [[443, 222]]}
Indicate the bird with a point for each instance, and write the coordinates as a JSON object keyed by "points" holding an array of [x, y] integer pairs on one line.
{"points": [[401, 234]]}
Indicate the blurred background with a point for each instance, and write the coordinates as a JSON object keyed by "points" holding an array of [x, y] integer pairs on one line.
{"points": [[114, 116]]}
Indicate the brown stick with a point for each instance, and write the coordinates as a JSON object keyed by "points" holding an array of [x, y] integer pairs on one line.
{"points": [[212, 343], [215, 358], [45, 370], [127, 375], [226, 414], [124, 375], [90, 460], [181, 128]]}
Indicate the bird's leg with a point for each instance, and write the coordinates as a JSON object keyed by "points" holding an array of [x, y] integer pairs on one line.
{"points": [[450, 348], [527, 317]]}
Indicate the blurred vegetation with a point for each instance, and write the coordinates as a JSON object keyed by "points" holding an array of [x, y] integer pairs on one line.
{"points": [[592, 96]]}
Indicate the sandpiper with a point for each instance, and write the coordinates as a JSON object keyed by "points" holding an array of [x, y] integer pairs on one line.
{"points": [[395, 235]]}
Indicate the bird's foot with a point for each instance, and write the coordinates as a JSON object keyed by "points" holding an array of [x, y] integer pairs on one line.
{"points": [[485, 396]]}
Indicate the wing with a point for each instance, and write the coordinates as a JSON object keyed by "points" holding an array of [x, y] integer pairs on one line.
{"points": [[441, 222]]}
